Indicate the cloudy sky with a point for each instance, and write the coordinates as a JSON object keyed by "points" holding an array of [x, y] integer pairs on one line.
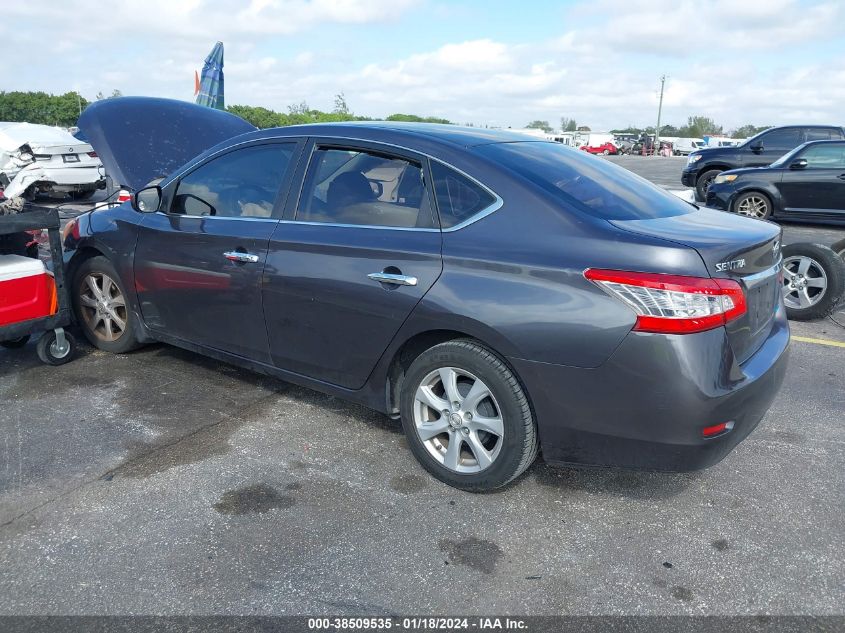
{"points": [[500, 63]]}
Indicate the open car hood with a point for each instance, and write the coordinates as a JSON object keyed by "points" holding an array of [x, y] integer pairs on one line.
{"points": [[143, 138]]}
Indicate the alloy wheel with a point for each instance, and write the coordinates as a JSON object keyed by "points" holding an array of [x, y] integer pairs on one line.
{"points": [[458, 420], [753, 207], [103, 306], [804, 282]]}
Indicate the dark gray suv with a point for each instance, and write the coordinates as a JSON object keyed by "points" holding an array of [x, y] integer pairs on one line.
{"points": [[500, 295]]}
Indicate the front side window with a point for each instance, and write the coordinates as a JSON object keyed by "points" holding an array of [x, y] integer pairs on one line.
{"points": [[825, 156], [243, 183], [458, 197], [784, 139], [349, 186]]}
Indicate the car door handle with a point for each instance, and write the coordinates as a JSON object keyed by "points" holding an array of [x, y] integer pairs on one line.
{"points": [[390, 278], [240, 256]]}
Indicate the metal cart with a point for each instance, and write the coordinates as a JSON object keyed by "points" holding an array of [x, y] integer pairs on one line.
{"points": [[55, 346]]}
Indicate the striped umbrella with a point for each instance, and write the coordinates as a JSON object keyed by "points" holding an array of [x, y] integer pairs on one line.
{"points": [[209, 88]]}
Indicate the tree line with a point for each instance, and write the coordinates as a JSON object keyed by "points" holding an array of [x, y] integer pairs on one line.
{"points": [[696, 127], [64, 110]]}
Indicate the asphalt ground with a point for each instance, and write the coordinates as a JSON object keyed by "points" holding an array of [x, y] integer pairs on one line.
{"points": [[162, 482]]}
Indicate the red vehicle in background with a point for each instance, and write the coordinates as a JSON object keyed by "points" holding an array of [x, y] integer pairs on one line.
{"points": [[604, 148]]}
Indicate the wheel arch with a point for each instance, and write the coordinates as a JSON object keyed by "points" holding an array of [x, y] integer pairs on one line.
{"points": [[80, 256], [759, 189], [418, 343], [705, 168]]}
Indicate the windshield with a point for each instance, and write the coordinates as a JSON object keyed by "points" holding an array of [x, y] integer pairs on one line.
{"points": [[589, 184]]}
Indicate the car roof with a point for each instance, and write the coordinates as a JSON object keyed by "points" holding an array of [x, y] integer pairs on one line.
{"points": [[395, 131]]}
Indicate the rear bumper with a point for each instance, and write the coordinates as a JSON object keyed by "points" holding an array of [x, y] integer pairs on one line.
{"points": [[61, 178], [688, 178], [647, 405]]}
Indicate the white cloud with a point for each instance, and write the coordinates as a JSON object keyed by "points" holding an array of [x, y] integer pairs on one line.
{"points": [[604, 72]]}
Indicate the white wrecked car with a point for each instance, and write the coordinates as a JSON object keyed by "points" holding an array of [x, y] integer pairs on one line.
{"points": [[42, 159]]}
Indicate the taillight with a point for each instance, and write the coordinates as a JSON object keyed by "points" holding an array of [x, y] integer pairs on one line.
{"points": [[673, 304], [92, 154], [123, 196]]}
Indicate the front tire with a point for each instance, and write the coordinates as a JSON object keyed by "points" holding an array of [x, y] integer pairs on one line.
{"points": [[813, 281], [102, 308], [703, 183], [466, 417], [753, 205]]}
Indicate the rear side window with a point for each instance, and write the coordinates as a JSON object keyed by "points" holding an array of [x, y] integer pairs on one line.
{"points": [[822, 134], [458, 197], [358, 187], [587, 183]]}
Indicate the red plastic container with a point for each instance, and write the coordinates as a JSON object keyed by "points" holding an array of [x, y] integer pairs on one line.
{"points": [[27, 290]]}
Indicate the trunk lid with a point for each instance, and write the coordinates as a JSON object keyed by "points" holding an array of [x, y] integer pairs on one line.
{"points": [[732, 247], [143, 138]]}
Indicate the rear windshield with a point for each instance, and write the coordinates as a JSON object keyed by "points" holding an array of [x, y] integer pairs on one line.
{"points": [[588, 183]]}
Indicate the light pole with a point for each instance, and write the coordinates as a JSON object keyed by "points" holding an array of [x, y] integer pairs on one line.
{"points": [[659, 112]]}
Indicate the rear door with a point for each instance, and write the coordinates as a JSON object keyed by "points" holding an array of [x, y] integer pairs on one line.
{"points": [[199, 263], [818, 188], [357, 251]]}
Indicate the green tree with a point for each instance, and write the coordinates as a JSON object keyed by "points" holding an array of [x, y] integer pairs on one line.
{"points": [[628, 130], [747, 131], [698, 126], [413, 118], [669, 130], [539, 125], [568, 125], [40, 107], [259, 117]]}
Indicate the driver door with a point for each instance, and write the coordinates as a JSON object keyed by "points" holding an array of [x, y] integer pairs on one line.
{"points": [[199, 261], [819, 187]]}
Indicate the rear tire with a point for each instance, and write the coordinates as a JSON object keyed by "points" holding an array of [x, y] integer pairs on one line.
{"points": [[814, 281], [109, 326], [703, 183], [466, 417]]}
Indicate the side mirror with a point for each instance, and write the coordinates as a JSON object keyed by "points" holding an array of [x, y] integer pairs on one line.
{"points": [[147, 200], [757, 147], [801, 163]]}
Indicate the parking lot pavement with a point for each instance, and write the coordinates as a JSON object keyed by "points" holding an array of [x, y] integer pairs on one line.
{"points": [[162, 482]]}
